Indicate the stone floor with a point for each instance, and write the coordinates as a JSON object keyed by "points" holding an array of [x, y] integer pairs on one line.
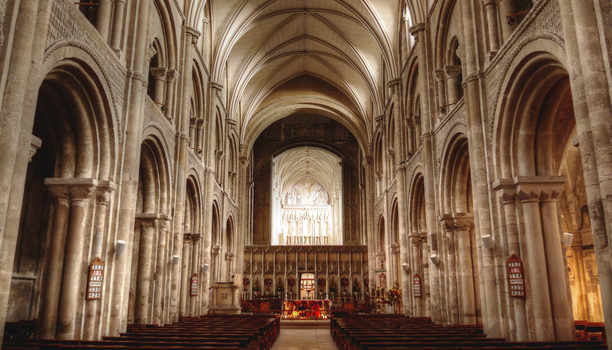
{"points": [[304, 339]]}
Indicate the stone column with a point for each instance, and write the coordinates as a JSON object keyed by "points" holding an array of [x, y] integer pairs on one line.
{"points": [[185, 275], [492, 27], [160, 272], [81, 191], [506, 8], [159, 75], [189, 42], [417, 263], [452, 77], [54, 266], [492, 319], [117, 29], [195, 270], [104, 190], [557, 267], [104, 18], [145, 268], [17, 110], [441, 83], [170, 89], [453, 265], [131, 167], [418, 31], [465, 272], [508, 198], [537, 276], [582, 23]]}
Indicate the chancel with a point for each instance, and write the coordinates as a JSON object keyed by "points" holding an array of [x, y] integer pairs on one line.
{"points": [[305, 174]]}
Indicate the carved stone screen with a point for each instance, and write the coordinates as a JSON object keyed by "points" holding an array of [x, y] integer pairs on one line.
{"points": [[306, 197]]}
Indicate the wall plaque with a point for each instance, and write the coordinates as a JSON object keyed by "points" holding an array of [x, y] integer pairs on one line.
{"points": [[194, 285], [416, 286], [95, 280], [516, 279]]}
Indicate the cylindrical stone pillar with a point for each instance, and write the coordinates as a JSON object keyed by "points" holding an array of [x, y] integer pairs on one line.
{"points": [[492, 27], [91, 313], [557, 269], [54, 266], [537, 284], [517, 304], [466, 276], [117, 29], [452, 77], [160, 281], [104, 18], [159, 75], [80, 194], [185, 275], [145, 269]]}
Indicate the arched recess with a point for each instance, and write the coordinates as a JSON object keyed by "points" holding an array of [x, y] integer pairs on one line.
{"points": [[67, 184], [413, 107], [448, 56], [152, 204], [379, 170], [218, 147], [418, 275], [215, 242], [232, 166], [229, 249], [162, 56], [191, 248], [538, 157], [396, 279], [198, 108], [460, 238], [381, 254]]}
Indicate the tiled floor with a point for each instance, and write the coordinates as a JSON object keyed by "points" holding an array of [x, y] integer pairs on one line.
{"points": [[304, 339]]}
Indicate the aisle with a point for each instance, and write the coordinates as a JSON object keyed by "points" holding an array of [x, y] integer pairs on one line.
{"points": [[304, 339]]}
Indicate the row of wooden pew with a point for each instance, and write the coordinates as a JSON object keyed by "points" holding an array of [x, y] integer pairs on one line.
{"points": [[203, 333], [378, 332]]}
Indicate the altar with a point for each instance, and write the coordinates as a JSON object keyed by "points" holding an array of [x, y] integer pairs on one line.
{"points": [[305, 310]]}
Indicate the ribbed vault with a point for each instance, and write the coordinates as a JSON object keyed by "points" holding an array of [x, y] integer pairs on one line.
{"points": [[260, 45]]}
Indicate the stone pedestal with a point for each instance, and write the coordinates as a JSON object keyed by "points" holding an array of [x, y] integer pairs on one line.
{"points": [[225, 299]]}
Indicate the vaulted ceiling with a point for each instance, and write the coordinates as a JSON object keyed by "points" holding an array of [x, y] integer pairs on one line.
{"points": [[331, 57]]}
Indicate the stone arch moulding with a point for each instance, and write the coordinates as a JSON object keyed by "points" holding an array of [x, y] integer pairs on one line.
{"points": [[103, 84]]}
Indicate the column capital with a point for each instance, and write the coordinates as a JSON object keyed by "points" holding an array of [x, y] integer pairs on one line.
{"points": [[159, 72], [195, 237], [146, 219], [452, 71], [394, 85], [103, 192], [35, 144], [216, 86], [416, 29], [193, 34], [76, 188], [187, 238], [457, 222], [536, 188]]}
